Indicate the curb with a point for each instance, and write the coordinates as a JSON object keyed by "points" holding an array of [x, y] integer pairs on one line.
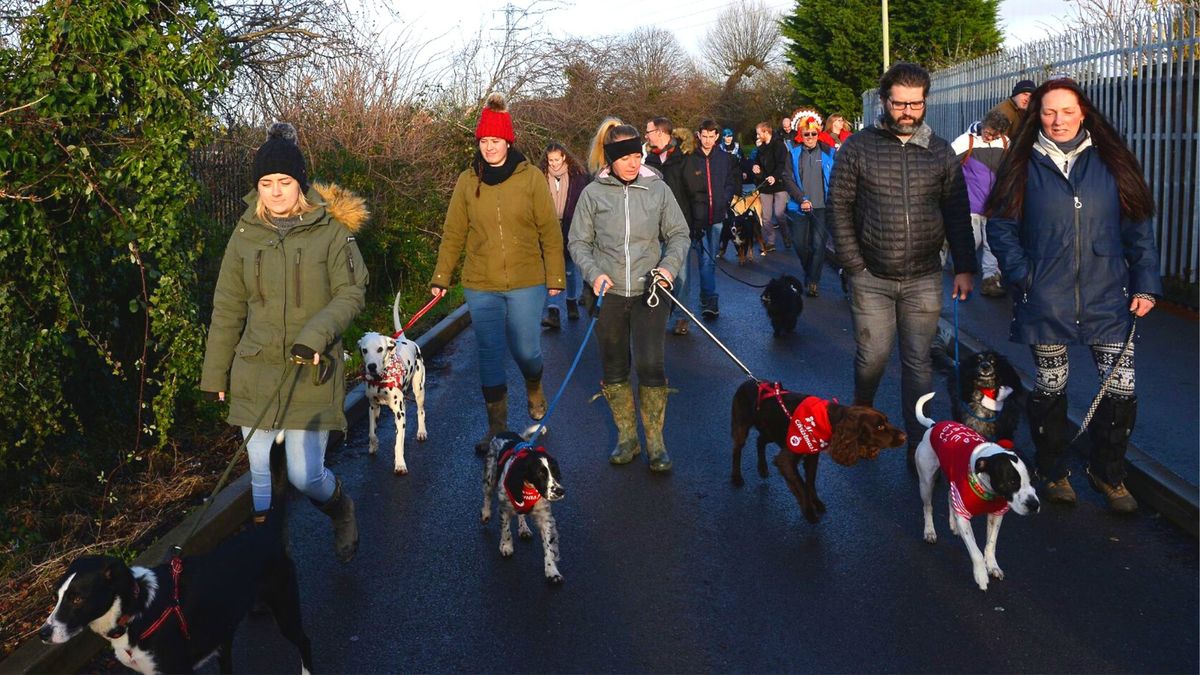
{"points": [[1148, 480], [226, 514]]}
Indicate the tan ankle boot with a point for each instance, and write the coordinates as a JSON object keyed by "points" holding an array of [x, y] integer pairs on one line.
{"points": [[537, 399]]}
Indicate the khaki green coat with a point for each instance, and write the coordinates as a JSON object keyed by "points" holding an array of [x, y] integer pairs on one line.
{"points": [[272, 292], [511, 234]]}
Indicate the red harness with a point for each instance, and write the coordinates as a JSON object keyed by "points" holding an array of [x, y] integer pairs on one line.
{"points": [[953, 443], [529, 494], [173, 609], [809, 429]]}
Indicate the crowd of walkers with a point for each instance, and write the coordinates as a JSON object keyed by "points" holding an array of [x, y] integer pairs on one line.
{"points": [[1042, 194]]}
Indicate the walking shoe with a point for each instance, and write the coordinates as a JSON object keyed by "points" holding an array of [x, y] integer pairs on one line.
{"points": [[552, 321], [1119, 499], [710, 309], [991, 287], [812, 291], [681, 327], [1059, 491], [769, 249], [572, 309]]}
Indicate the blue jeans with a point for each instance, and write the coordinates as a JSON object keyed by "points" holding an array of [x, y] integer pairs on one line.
{"points": [[809, 235], [881, 308], [305, 464], [509, 320], [574, 283], [702, 251]]}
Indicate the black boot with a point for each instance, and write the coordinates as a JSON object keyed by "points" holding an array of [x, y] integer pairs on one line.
{"points": [[1109, 431], [552, 319], [1048, 428], [340, 509], [572, 309]]}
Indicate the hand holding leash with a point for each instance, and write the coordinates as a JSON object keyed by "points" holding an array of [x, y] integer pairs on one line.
{"points": [[601, 284]]}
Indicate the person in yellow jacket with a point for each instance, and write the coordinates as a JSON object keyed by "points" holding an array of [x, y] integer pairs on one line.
{"points": [[291, 281], [502, 214]]}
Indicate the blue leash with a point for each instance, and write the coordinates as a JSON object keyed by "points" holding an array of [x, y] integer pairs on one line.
{"points": [[563, 387]]}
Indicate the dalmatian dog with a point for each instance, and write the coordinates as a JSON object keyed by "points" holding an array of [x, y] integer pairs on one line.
{"points": [[392, 366]]}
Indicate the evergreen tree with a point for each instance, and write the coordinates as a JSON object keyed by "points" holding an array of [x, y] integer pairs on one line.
{"points": [[835, 46]]}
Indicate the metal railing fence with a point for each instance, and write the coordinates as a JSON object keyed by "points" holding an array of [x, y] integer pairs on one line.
{"points": [[1144, 76]]}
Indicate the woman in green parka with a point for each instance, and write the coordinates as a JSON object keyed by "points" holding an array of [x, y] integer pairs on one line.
{"points": [[291, 281]]}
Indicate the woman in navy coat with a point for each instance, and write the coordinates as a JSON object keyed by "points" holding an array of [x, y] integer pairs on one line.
{"points": [[1070, 223]]}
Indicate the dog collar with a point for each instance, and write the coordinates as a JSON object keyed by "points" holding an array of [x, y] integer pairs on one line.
{"points": [[977, 487]]}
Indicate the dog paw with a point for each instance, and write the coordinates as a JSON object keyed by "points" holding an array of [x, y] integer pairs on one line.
{"points": [[981, 578], [554, 579], [485, 518], [820, 505], [422, 436], [400, 471], [930, 537], [373, 448], [506, 550], [525, 535], [994, 571], [811, 515], [737, 480]]}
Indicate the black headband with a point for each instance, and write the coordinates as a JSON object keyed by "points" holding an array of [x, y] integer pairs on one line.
{"points": [[618, 149]]}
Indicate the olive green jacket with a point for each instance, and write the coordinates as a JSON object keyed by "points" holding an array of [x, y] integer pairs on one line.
{"points": [[272, 292], [510, 231]]}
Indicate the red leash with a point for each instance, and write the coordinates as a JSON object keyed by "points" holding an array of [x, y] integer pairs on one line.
{"points": [[420, 313]]}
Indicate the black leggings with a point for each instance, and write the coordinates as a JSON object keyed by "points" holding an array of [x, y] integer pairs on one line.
{"points": [[625, 324]]}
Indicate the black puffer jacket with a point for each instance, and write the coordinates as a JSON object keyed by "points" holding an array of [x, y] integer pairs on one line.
{"points": [[892, 205], [672, 174]]}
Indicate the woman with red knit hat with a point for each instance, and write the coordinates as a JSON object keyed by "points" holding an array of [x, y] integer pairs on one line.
{"points": [[502, 214]]}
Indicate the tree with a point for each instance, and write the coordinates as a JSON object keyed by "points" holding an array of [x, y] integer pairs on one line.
{"points": [[744, 40], [835, 46]]}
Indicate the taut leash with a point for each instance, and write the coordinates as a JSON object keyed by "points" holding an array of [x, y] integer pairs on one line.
{"points": [[653, 300], [420, 313], [529, 443]]}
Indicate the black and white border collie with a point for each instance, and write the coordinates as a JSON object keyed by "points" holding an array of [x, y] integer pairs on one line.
{"points": [[134, 607]]}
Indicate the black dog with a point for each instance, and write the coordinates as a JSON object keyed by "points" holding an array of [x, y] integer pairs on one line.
{"points": [[979, 400], [157, 623], [743, 230], [784, 301]]}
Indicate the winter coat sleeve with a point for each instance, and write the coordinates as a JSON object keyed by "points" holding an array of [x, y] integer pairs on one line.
{"points": [[673, 231], [549, 233], [348, 291], [1141, 254], [228, 321], [956, 217], [454, 235], [583, 237], [843, 190], [789, 180], [1003, 235]]}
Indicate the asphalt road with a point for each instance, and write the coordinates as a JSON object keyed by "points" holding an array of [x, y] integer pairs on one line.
{"points": [[685, 573]]}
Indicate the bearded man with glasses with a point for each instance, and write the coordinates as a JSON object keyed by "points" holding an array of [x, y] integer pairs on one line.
{"points": [[896, 193]]}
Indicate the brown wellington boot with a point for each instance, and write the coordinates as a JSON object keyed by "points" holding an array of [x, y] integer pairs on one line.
{"points": [[654, 412], [537, 399], [340, 509], [497, 414], [620, 401]]}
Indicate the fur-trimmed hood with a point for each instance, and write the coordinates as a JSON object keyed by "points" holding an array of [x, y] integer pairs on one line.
{"points": [[341, 204]]}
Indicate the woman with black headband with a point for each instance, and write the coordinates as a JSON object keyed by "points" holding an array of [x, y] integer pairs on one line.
{"points": [[627, 225]]}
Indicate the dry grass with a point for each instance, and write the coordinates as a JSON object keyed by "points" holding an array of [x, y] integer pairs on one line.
{"points": [[145, 507]]}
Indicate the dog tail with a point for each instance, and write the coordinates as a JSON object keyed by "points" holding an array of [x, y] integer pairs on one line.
{"points": [[528, 433], [920, 407], [396, 325]]}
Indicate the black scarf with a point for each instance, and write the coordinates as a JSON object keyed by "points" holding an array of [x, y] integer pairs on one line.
{"points": [[495, 175], [1068, 146]]}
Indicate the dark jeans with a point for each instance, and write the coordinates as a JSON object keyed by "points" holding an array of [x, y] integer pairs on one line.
{"points": [[625, 324], [809, 235], [881, 309]]}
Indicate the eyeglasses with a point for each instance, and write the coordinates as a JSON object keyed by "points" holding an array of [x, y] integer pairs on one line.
{"points": [[807, 134], [650, 131], [911, 105]]}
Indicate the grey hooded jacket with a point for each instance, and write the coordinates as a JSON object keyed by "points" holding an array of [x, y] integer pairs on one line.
{"points": [[625, 231]]}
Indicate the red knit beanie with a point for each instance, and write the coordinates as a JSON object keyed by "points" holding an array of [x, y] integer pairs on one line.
{"points": [[495, 120]]}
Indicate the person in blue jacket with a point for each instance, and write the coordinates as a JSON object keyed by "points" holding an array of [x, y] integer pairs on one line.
{"points": [[812, 163], [1070, 223]]}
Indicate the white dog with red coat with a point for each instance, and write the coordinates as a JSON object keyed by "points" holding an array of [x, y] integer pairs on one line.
{"points": [[984, 477]]}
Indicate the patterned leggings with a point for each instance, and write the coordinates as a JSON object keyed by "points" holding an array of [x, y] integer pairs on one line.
{"points": [[1053, 366]]}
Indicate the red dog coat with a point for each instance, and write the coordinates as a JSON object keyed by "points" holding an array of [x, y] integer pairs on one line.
{"points": [[953, 443], [809, 429]]}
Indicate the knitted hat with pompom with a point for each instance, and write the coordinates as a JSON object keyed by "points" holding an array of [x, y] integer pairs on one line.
{"points": [[495, 121], [280, 154]]}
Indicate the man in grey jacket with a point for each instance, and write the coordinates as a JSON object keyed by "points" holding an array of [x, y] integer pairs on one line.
{"points": [[896, 193]]}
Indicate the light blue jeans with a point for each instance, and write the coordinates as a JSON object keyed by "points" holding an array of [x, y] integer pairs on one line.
{"points": [[705, 266], [507, 321], [305, 464], [881, 309]]}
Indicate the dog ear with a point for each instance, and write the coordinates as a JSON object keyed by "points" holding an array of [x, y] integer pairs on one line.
{"points": [[514, 480], [845, 440], [391, 342]]}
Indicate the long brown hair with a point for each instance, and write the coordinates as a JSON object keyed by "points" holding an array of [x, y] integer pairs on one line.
{"points": [[574, 168], [1008, 195]]}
